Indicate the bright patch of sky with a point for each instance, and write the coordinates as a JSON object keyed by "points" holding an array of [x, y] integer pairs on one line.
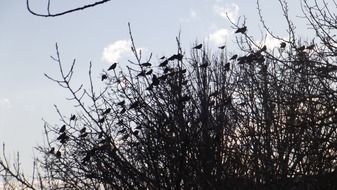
{"points": [[100, 35]]}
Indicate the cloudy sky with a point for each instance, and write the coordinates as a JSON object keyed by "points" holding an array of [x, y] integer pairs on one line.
{"points": [[100, 35]]}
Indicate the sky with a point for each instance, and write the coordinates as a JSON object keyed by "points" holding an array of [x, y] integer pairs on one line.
{"points": [[100, 35]]}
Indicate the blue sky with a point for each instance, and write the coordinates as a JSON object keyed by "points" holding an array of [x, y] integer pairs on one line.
{"points": [[100, 35]]}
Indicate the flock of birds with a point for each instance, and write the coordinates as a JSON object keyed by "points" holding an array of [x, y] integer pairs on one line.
{"points": [[252, 57]]}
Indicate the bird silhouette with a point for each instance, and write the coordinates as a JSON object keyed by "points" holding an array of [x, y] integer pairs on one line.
{"points": [[121, 103], [264, 48], [146, 64], [149, 72], [106, 111], [142, 74], [113, 66], [63, 138], [134, 105], [178, 57], [162, 57], [227, 66], [234, 57], [164, 63], [73, 117], [104, 77], [204, 65], [283, 45], [101, 120], [197, 47], [58, 154], [155, 81], [241, 30], [82, 135], [222, 47], [83, 130], [123, 110], [62, 129], [311, 47], [52, 150]]}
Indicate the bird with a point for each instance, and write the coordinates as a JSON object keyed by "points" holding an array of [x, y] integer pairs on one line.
{"points": [[113, 66], [142, 73], [52, 150], [83, 130], [146, 64], [149, 72], [62, 129], [283, 45], [58, 154], [241, 30], [155, 81], [197, 47], [234, 57], [222, 47], [204, 65], [134, 105], [178, 57], [264, 48], [104, 77], [123, 111], [121, 103], [106, 111], [63, 138], [162, 57], [311, 47], [101, 120], [73, 117], [82, 135], [227, 66], [164, 63]]}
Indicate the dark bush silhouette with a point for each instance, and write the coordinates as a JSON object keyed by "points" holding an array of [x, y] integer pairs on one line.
{"points": [[263, 118]]}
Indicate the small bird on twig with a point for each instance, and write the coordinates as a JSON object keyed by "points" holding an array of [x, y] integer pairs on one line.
{"points": [[198, 46], [113, 66], [241, 30]]}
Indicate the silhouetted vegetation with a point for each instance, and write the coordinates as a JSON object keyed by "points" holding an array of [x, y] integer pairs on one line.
{"points": [[262, 118]]}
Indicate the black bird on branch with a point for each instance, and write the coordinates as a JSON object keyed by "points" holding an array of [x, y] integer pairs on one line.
{"points": [[283, 45], [222, 47], [58, 154], [146, 64], [107, 111], [83, 130], [113, 66], [197, 47], [164, 63], [104, 77], [241, 30], [52, 150], [149, 72], [101, 120], [121, 103], [73, 117], [63, 129], [234, 57], [155, 81], [162, 57]]}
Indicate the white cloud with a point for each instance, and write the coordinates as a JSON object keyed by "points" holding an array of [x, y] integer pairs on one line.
{"points": [[5, 103], [113, 52], [219, 36], [231, 11]]}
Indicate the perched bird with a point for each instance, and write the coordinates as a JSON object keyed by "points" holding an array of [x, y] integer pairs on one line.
{"points": [[164, 63], [234, 57], [101, 120], [264, 48], [106, 111], [142, 73], [104, 77], [58, 154], [204, 65], [241, 30], [83, 130], [82, 135], [162, 57], [123, 110], [121, 103], [227, 66], [222, 47], [63, 138], [283, 45], [311, 47], [73, 117], [147, 64], [134, 105], [178, 57], [113, 66], [155, 81], [198, 46], [149, 72], [52, 150], [63, 128]]}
